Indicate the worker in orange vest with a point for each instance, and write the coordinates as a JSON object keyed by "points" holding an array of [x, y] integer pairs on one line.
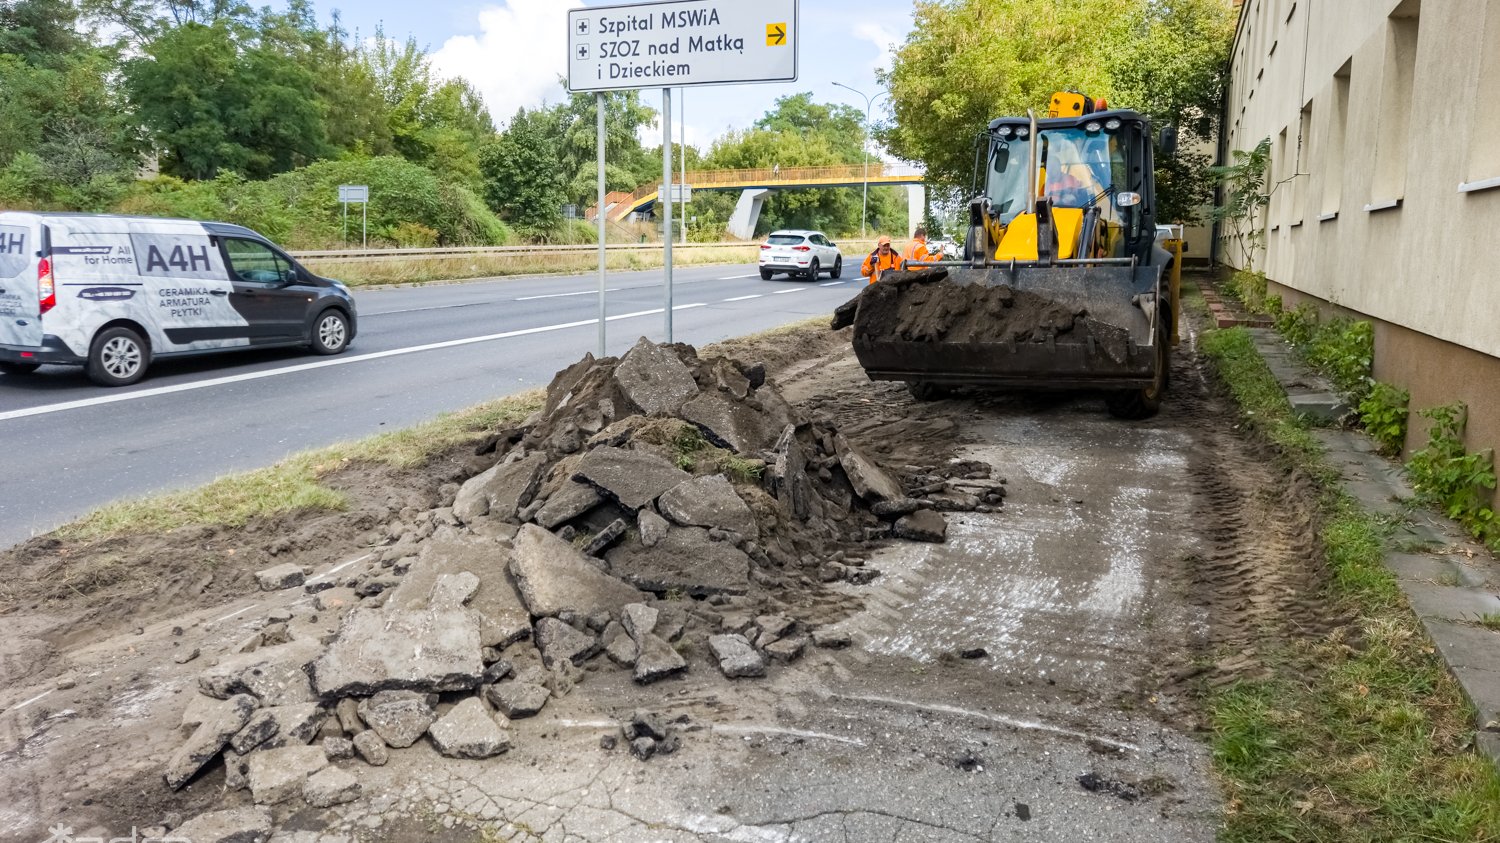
{"points": [[917, 249], [882, 260]]}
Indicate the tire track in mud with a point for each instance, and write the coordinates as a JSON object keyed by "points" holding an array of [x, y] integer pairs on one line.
{"points": [[1260, 575]]}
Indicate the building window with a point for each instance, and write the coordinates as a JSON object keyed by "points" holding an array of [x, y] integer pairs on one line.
{"points": [[1392, 143], [1333, 149], [1484, 143]]}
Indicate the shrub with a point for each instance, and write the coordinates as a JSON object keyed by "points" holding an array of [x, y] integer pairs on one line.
{"points": [[1250, 289], [1343, 349], [1298, 325], [1384, 415]]}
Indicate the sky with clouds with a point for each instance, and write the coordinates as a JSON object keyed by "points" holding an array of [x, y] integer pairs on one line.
{"points": [[513, 51]]}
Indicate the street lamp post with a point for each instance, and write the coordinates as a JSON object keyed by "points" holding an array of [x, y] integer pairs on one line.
{"points": [[864, 212]]}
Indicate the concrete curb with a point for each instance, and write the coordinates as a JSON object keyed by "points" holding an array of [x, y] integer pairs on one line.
{"points": [[1449, 580]]}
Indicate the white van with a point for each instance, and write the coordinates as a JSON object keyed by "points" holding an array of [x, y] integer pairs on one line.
{"points": [[113, 293]]}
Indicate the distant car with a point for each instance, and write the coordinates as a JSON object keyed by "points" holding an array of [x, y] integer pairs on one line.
{"points": [[944, 248], [800, 253], [113, 294]]}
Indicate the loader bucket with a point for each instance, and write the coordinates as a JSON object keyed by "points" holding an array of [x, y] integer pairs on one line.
{"points": [[1032, 326]]}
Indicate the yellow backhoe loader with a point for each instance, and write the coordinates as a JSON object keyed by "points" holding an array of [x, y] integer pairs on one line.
{"points": [[1062, 282]]}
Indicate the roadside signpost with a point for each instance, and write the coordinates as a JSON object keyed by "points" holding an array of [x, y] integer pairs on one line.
{"points": [[681, 44], [359, 193]]}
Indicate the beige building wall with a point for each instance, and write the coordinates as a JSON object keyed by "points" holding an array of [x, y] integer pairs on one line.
{"points": [[1384, 120]]}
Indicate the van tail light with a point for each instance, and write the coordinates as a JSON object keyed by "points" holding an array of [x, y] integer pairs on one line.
{"points": [[765, 245], [802, 248], [46, 292]]}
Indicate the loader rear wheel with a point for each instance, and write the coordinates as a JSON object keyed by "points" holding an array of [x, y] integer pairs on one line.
{"points": [[1138, 404], [928, 391]]}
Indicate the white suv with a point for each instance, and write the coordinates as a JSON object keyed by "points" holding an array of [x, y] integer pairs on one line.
{"points": [[800, 253]]}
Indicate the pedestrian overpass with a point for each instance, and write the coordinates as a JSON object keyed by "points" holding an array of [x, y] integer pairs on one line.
{"points": [[755, 185]]}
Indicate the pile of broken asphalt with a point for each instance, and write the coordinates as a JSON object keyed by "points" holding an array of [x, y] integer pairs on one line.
{"points": [[657, 504]]}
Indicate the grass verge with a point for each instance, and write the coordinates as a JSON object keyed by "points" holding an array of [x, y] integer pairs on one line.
{"points": [[1362, 735], [364, 272], [298, 482]]}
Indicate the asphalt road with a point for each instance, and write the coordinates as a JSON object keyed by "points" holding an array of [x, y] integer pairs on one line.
{"points": [[71, 447]]}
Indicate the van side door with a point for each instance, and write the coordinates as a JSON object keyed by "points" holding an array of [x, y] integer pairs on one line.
{"points": [[266, 292]]}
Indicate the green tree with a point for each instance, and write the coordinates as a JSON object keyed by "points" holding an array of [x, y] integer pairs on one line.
{"points": [[522, 171], [969, 61]]}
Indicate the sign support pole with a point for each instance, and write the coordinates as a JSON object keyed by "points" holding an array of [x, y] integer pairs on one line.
{"points": [[599, 217], [664, 201], [364, 224], [682, 152], [346, 221]]}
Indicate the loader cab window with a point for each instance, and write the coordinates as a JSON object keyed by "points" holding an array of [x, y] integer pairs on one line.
{"points": [[1076, 169]]}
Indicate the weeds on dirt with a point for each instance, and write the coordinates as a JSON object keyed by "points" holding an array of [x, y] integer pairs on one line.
{"points": [[298, 482], [1359, 735]]}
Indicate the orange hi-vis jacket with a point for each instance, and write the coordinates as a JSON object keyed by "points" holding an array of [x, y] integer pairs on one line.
{"points": [[875, 264], [917, 251]]}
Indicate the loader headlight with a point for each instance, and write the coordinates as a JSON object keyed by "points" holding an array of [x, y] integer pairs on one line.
{"points": [[1005, 131], [1112, 125], [1092, 128], [1023, 132]]}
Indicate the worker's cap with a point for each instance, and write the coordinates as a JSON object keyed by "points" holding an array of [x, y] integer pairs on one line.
{"points": [[885, 240]]}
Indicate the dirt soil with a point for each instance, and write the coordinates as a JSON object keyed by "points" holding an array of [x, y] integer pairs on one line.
{"points": [[1029, 679]]}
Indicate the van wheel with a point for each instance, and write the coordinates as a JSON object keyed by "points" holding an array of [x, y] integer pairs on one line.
{"points": [[118, 357], [330, 332], [19, 368]]}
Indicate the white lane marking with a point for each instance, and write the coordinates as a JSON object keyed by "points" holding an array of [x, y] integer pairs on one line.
{"points": [[321, 364], [738, 277], [793, 290], [21, 705], [833, 283], [565, 295], [1013, 722], [341, 566], [746, 298], [232, 614]]}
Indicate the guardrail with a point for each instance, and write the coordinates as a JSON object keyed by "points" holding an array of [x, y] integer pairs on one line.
{"points": [[482, 251]]}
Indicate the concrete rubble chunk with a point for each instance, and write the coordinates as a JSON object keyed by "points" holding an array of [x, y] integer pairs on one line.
{"points": [[869, 480], [279, 725], [653, 527], [787, 649], [672, 623], [560, 390], [786, 475], [211, 736], [469, 731], [607, 538], [686, 561], [830, 638], [622, 650], [452, 591], [709, 502], [235, 825], [893, 509], [737, 659], [733, 424], [552, 577], [338, 749], [643, 748], [654, 378], [335, 599], [347, 712], [560, 642], [288, 575], [633, 478], [730, 379], [571, 501], [638, 620], [399, 717], [657, 660], [772, 628], [501, 491], [330, 786], [416, 650], [236, 770], [277, 775], [503, 619], [516, 699], [924, 525], [201, 708], [371, 748], [276, 675]]}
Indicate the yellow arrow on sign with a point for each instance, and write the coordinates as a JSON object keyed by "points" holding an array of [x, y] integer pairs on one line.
{"points": [[775, 34]]}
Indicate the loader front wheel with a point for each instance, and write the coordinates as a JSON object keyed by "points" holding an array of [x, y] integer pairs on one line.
{"points": [[1138, 404]]}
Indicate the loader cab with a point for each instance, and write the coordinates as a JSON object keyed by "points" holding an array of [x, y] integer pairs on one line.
{"points": [[1094, 170]]}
